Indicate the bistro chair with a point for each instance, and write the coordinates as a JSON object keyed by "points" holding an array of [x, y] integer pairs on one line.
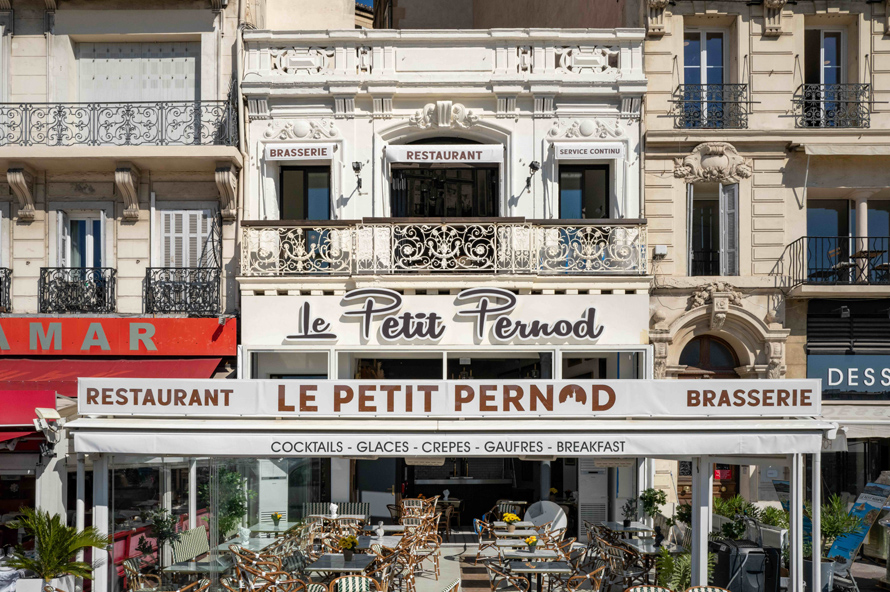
{"points": [[706, 589], [592, 580], [650, 589], [136, 580], [625, 566], [412, 506], [445, 522], [483, 530], [354, 583], [501, 581], [394, 513]]}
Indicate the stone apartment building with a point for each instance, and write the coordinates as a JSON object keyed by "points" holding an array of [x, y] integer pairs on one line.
{"points": [[766, 159]]}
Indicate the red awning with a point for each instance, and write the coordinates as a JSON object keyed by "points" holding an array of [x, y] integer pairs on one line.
{"points": [[18, 409], [60, 375]]}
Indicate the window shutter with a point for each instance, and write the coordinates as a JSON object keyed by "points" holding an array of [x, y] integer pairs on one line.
{"points": [[171, 239], [729, 229], [63, 239], [103, 256], [186, 238], [689, 196]]}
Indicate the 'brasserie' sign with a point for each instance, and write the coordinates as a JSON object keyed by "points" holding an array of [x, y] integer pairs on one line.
{"points": [[462, 398]]}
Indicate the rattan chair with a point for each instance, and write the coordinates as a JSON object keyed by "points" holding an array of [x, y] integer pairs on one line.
{"points": [[483, 530], [706, 589], [353, 583], [501, 581], [136, 580]]}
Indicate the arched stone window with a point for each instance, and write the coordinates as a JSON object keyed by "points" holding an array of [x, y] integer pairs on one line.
{"points": [[708, 357]]}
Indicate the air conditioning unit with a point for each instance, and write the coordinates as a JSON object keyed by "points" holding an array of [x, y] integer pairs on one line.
{"points": [[272, 494]]}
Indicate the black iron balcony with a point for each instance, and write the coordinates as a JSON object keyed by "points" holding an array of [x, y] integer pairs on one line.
{"points": [[832, 105], [186, 290], [77, 290], [839, 260], [5, 281], [706, 263], [711, 106], [173, 123]]}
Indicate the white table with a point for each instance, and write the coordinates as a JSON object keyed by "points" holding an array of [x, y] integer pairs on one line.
{"points": [[8, 578], [254, 544], [386, 528], [500, 525], [270, 527], [338, 516], [518, 533], [365, 542]]}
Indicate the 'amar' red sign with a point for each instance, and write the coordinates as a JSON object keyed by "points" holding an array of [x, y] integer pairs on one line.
{"points": [[53, 336]]}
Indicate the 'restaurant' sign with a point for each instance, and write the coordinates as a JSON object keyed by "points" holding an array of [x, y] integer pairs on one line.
{"points": [[474, 316], [299, 151], [431, 398], [588, 150], [446, 153], [135, 336]]}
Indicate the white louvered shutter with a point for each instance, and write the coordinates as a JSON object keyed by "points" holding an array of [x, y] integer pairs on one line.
{"points": [[729, 229], [150, 72], [689, 204], [63, 236], [186, 238]]}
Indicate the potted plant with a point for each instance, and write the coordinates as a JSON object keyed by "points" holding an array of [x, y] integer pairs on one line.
{"points": [[675, 572], [55, 546], [232, 505], [553, 492], [652, 500], [348, 544], [735, 511], [163, 531], [532, 543], [276, 518], [629, 511], [511, 520], [835, 521]]}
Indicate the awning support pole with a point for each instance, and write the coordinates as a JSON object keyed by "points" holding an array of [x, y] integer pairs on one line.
{"points": [[166, 504], [545, 480], [100, 521], [702, 491], [796, 523], [816, 518], [79, 509], [193, 493]]}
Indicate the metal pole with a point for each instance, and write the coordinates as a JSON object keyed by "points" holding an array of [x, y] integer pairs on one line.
{"points": [[79, 507], [702, 490], [100, 522], [816, 577], [796, 523], [193, 493]]}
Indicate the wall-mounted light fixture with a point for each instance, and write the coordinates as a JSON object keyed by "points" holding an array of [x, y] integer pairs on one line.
{"points": [[533, 168], [357, 169]]}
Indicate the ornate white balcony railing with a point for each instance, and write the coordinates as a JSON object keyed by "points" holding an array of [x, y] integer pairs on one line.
{"points": [[466, 245]]}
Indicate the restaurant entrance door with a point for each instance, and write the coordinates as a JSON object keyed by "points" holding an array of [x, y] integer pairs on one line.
{"points": [[375, 481]]}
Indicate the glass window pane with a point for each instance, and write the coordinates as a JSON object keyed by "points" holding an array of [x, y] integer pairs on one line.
{"points": [[828, 217], [292, 194], [878, 218], [97, 243], [78, 243], [721, 357], [692, 50], [570, 194], [832, 49], [714, 44], [691, 355], [596, 192], [318, 195]]}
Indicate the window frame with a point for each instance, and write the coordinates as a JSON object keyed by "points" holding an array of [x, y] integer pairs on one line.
{"points": [[64, 219], [703, 52], [722, 217], [582, 166], [842, 59], [306, 169]]}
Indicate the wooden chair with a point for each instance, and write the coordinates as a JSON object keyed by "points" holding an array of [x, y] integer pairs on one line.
{"points": [[136, 580], [500, 581], [483, 530], [354, 583]]}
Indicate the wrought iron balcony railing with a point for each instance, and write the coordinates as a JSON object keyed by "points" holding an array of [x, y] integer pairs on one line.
{"points": [[172, 123], [832, 105], [188, 290], [711, 106], [465, 245], [77, 290], [5, 281], [839, 260], [706, 263]]}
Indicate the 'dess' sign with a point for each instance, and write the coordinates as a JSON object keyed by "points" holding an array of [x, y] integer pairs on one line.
{"points": [[473, 398]]}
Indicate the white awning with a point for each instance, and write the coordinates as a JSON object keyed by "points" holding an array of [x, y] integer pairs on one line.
{"points": [[847, 149], [588, 150], [332, 438], [446, 153]]}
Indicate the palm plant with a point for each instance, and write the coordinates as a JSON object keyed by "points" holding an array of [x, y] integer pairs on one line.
{"points": [[675, 572], [55, 545], [835, 520]]}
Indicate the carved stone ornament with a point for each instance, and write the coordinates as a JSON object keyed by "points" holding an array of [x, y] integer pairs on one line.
{"points": [[655, 17], [126, 180], [227, 185], [713, 162], [21, 180], [587, 128], [301, 60], [776, 365], [301, 130], [772, 17], [597, 60], [443, 114], [719, 295]]}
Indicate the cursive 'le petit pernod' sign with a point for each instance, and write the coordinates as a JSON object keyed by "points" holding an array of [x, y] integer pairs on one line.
{"points": [[449, 398]]}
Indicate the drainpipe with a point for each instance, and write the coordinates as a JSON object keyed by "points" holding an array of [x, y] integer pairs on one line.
{"points": [[242, 143]]}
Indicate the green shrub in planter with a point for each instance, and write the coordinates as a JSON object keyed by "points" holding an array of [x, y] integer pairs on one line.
{"points": [[675, 571], [652, 500]]}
